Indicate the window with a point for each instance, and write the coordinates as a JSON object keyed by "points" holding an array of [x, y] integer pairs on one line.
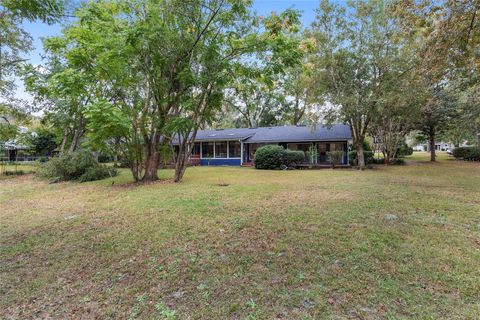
{"points": [[234, 149], [336, 146], [322, 148], [221, 149], [196, 149], [207, 150], [299, 146]]}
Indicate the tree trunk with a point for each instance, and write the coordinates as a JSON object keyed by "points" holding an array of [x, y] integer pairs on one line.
{"points": [[153, 158], [431, 138], [135, 171], [360, 156], [386, 158], [76, 137], [180, 167], [64, 140], [151, 168]]}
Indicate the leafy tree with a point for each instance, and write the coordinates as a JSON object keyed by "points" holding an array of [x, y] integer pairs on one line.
{"points": [[302, 99], [447, 37], [15, 41], [62, 92], [10, 120], [43, 142], [254, 102], [159, 68], [358, 60]]}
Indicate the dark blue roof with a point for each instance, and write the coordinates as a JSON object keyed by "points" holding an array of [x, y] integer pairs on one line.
{"points": [[301, 133], [224, 134], [335, 132]]}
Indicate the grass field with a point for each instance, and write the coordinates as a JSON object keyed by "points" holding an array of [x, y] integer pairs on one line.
{"points": [[10, 170], [237, 243]]}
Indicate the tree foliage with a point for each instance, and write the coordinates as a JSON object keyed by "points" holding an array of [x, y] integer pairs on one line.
{"points": [[359, 62], [155, 70]]}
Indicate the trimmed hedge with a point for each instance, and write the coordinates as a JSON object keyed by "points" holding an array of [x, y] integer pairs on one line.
{"points": [[269, 157], [467, 153], [292, 158], [276, 157]]}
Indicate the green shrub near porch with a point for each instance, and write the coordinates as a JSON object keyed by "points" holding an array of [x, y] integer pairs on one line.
{"points": [[276, 157], [292, 158]]}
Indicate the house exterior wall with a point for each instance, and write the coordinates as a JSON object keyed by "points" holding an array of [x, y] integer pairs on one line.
{"points": [[220, 162], [300, 145], [211, 158]]}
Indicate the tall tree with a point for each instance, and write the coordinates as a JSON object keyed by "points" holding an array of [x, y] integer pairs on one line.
{"points": [[15, 41], [356, 62], [253, 101], [447, 38], [159, 68]]}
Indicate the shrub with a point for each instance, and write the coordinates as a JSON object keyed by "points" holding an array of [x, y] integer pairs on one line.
{"points": [[378, 160], [42, 159], [467, 153], [335, 157], [269, 157], [312, 155], [67, 167], [104, 158], [292, 158], [98, 173], [404, 150], [276, 157], [398, 161], [368, 155]]}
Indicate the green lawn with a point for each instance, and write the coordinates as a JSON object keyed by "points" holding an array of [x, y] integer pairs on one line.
{"points": [[13, 169], [392, 242]]}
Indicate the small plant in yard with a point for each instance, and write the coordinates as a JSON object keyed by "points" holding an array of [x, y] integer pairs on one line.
{"points": [[335, 157], [165, 311], [312, 155]]}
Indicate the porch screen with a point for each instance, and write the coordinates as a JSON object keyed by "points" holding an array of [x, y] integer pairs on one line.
{"points": [[207, 149], [196, 149], [221, 149], [234, 149]]}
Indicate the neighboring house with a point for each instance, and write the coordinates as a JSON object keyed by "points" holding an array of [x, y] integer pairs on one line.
{"points": [[11, 151], [235, 147], [439, 146]]}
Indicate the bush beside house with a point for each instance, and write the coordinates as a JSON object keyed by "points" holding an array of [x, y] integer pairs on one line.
{"points": [[335, 157], [292, 158], [276, 157]]}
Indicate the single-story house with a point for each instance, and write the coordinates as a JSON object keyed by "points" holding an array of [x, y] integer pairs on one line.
{"points": [[11, 151], [235, 147]]}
